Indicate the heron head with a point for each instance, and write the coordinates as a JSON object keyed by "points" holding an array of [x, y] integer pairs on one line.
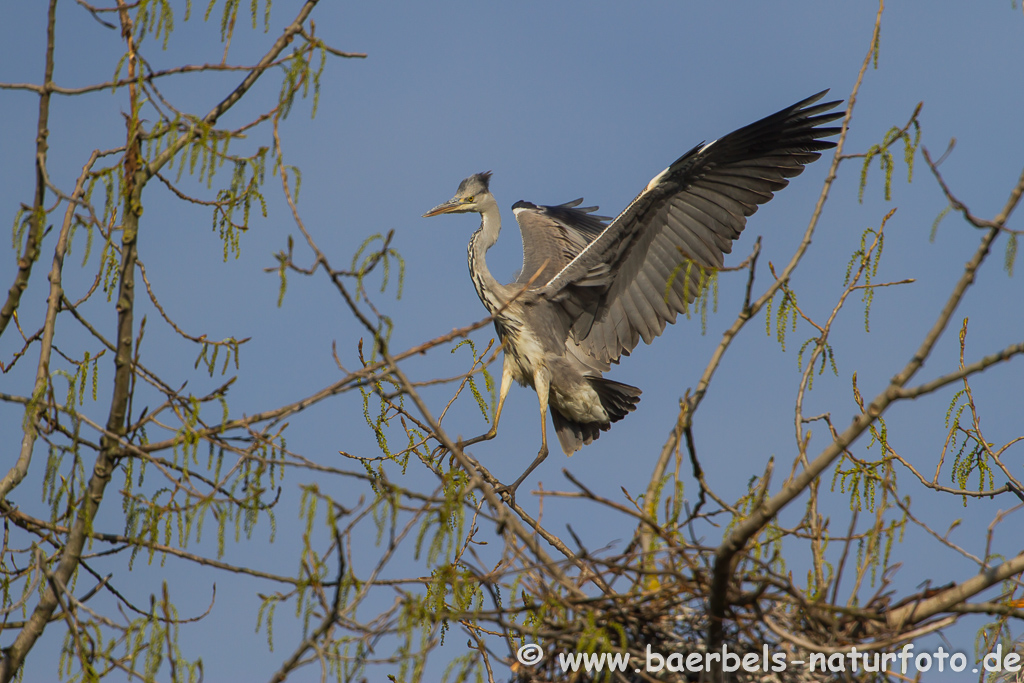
{"points": [[472, 195]]}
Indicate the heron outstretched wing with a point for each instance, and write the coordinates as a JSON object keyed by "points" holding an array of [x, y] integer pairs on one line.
{"points": [[553, 236], [645, 267]]}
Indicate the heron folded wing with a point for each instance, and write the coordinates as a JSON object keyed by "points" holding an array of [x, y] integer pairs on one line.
{"points": [[553, 236], [646, 266]]}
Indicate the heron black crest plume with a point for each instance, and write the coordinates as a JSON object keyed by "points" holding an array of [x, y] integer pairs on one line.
{"points": [[483, 179], [595, 287]]}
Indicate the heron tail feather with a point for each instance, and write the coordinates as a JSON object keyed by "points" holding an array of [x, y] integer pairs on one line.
{"points": [[618, 400]]}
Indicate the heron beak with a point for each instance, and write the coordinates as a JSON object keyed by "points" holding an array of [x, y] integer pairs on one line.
{"points": [[448, 207]]}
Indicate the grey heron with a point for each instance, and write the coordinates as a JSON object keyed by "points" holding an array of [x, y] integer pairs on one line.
{"points": [[590, 289]]}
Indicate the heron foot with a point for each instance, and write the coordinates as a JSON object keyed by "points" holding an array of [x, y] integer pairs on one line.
{"points": [[507, 492], [510, 489]]}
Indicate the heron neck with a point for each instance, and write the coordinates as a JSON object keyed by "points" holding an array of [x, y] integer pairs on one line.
{"points": [[491, 292]]}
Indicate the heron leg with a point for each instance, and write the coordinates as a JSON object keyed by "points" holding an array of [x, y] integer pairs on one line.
{"points": [[506, 384], [541, 382]]}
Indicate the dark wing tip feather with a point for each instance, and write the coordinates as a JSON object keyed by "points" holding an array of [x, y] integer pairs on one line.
{"points": [[796, 129]]}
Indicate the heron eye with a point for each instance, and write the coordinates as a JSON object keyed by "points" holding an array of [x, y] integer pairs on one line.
{"points": [[469, 199]]}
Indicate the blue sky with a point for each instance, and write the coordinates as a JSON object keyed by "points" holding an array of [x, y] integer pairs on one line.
{"points": [[562, 100]]}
